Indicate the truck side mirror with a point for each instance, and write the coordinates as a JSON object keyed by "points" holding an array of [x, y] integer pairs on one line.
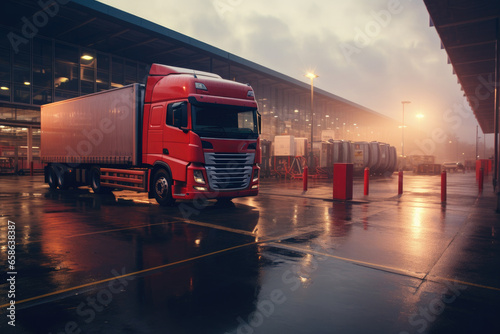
{"points": [[259, 122], [177, 113]]}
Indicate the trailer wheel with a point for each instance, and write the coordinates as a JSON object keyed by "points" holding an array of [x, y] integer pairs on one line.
{"points": [[52, 178], [162, 188], [95, 182], [63, 180]]}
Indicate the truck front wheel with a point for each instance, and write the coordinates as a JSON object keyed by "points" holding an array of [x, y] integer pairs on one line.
{"points": [[162, 188]]}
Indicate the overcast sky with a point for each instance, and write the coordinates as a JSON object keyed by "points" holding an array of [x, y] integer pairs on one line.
{"points": [[376, 53]]}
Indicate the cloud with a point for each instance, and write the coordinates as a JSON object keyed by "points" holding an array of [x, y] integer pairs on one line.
{"points": [[401, 60]]}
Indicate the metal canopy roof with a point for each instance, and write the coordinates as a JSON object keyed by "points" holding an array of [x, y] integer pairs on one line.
{"points": [[469, 31], [92, 24]]}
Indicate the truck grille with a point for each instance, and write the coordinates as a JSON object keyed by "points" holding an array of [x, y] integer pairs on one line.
{"points": [[229, 171]]}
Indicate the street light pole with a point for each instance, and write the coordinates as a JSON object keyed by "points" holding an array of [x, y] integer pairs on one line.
{"points": [[312, 76], [403, 130]]}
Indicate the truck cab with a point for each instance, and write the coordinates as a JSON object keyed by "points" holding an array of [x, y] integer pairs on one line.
{"points": [[200, 135]]}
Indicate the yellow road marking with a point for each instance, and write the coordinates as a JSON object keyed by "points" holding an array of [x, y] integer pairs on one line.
{"points": [[269, 241], [127, 275], [392, 269], [369, 264], [229, 229], [103, 231], [118, 229], [218, 227], [466, 283]]}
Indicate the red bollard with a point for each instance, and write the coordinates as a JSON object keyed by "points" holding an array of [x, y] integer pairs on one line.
{"points": [[481, 180], [400, 182], [367, 180], [304, 179], [31, 168], [443, 187], [342, 181], [305, 175]]}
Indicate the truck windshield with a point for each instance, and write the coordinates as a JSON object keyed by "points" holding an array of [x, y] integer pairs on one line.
{"points": [[224, 122]]}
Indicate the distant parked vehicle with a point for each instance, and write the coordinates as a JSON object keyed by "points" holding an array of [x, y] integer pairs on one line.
{"points": [[453, 167], [413, 163]]}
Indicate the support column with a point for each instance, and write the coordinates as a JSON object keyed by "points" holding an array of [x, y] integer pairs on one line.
{"points": [[16, 157], [29, 155], [496, 116]]}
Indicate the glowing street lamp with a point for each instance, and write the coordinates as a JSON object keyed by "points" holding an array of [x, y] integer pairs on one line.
{"points": [[87, 57], [312, 76]]}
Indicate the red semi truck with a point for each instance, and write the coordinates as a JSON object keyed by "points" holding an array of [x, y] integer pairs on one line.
{"points": [[182, 135]]}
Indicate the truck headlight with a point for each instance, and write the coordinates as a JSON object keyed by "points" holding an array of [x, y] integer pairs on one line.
{"points": [[255, 175], [198, 177]]}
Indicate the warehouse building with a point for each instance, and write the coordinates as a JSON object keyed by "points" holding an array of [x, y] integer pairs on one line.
{"points": [[58, 49], [470, 34]]}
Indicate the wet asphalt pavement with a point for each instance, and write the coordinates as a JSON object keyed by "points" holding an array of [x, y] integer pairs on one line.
{"points": [[282, 262]]}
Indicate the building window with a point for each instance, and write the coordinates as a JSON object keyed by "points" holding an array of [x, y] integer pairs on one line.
{"points": [[21, 77], [64, 95], [102, 72], [142, 73], [66, 72], [22, 94], [87, 72], [5, 90], [4, 65], [130, 72], [117, 78], [20, 88], [42, 95], [42, 71]]}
